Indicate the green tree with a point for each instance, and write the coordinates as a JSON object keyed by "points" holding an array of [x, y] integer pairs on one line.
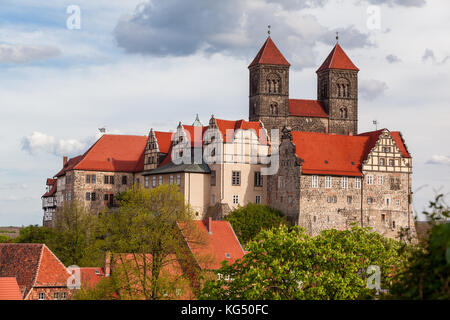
{"points": [[426, 273], [76, 236], [248, 221], [4, 239], [144, 238], [289, 264], [37, 234]]}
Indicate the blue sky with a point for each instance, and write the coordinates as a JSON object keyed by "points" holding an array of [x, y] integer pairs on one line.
{"points": [[135, 65]]}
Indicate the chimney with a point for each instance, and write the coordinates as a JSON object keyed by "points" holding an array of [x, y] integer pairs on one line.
{"points": [[350, 133], [64, 160], [209, 225], [107, 264]]}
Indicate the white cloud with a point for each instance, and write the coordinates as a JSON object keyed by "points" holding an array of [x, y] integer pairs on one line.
{"points": [[429, 55], [19, 53], [439, 159], [372, 89], [41, 142]]}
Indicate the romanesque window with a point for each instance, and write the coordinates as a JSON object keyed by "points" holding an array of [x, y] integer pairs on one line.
{"points": [[343, 113], [343, 88], [273, 83], [274, 108]]}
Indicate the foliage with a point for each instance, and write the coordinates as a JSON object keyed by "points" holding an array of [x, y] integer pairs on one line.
{"points": [[289, 264], [147, 228], [36, 234], [4, 239], [248, 221], [104, 290], [426, 273]]}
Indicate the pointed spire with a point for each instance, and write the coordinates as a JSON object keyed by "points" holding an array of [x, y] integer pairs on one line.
{"points": [[269, 54], [197, 122], [337, 59]]}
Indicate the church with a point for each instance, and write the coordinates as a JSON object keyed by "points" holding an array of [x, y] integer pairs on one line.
{"points": [[328, 175]]}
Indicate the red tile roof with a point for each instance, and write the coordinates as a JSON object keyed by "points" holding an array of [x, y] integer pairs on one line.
{"points": [[164, 140], [116, 153], [9, 289], [69, 165], [306, 108], [91, 276], [269, 54], [233, 125], [332, 154], [32, 264], [337, 59], [195, 134], [53, 189], [221, 244]]}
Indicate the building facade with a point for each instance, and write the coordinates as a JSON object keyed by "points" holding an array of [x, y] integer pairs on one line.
{"points": [[327, 175]]}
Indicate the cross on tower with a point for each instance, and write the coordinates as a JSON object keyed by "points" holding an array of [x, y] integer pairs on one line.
{"points": [[337, 37], [268, 29]]}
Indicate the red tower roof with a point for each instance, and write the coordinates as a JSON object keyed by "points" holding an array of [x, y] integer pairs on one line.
{"points": [[269, 54], [337, 59]]}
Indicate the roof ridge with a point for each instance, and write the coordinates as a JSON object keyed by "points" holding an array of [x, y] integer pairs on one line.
{"points": [[33, 282]]}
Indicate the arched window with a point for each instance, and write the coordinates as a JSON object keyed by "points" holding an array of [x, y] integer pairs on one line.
{"points": [[274, 108], [343, 113], [273, 83], [343, 88]]}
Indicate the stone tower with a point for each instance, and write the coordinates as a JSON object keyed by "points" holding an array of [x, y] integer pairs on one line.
{"points": [[337, 89], [269, 87]]}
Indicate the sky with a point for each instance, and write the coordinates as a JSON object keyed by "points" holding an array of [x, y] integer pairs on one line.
{"points": [[68, 68]]}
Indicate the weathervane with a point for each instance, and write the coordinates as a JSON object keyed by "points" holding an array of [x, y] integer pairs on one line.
{"points": [[337, 37], [375, 122], [268, 30]]}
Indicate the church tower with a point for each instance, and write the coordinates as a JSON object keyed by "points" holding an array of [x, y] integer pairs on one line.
{"points": [[269, 87], [337, 89]]}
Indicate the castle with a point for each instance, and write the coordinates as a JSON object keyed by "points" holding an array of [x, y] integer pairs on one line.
{"points": [[321, 173]]}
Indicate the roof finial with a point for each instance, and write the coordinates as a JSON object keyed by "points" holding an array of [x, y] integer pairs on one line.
{"points": [[268, 30], [337, 37]]}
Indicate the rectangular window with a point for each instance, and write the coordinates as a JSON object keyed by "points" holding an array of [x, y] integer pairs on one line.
{"points": [[258, 179], [88, 196], [382, 161], [328, 182], [315, 181], [369, 180], [213, 199], [349, 199], [383, 217], [41, 296], [55, 295], [357, 183], [393, 224], [153, 182], [213, 177], [88, 178], [146, 181], [235, 199], [111, 179], [171, 179], [386, 149], [63, 295], [236, 178], [280, 182], [388, 201], [178, 180], [93, 196], [380, 180], [160, 182], [124, 180], [391, 162], [369, 200], [258, 199], [397, 202], [106, 197], [344, 182], [332, 199], [105, 179]]}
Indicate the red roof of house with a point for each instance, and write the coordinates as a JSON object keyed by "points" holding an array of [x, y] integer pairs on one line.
{"points": [[332, 154], [32, 264], [221, 244], [164, 140], [195, 134], [269, 54], [306, 108], [53, 189], [9, 289], [337, 59], [91, 276], [116, 153], [69, 165], [229, 127]]}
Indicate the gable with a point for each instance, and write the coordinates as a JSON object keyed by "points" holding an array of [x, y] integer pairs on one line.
{"points": [[51, 271]]}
